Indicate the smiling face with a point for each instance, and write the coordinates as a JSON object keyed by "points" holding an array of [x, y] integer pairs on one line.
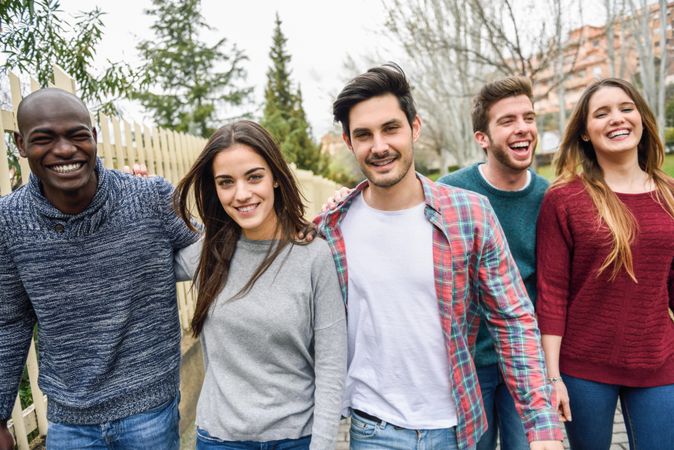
{"points": [[382, 140], [245, 187], [59, 142], [512, 137], [613, 122]]}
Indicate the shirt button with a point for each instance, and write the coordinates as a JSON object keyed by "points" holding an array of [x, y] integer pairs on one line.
{"points": [[59, 228]]}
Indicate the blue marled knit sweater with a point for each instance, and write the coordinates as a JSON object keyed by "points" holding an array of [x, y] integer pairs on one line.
{"points": [[101, 286]]}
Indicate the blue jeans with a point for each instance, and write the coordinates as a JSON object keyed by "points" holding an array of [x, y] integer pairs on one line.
{"points": [[207, 442], [154, 429], [648, 413], [369, 435], [502, 416]]}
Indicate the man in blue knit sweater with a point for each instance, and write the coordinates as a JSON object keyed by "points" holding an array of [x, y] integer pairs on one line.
{"points": [[87, 254], [504, 124]]}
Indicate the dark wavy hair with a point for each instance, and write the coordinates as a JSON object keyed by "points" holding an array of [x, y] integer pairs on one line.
{"points": [[221, 231], [388, 78]]}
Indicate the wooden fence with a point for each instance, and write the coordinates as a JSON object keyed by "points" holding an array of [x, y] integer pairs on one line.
{"points": [[166, 153]]}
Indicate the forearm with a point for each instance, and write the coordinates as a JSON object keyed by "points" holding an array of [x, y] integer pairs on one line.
{"points": [[551, 346], [330, 370]]}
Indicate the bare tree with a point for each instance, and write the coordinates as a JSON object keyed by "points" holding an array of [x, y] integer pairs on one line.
{"points": [[652, 67], [454, 46]]}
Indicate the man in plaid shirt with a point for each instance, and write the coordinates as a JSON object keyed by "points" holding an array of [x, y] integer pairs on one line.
{"points": [[423, 261]]}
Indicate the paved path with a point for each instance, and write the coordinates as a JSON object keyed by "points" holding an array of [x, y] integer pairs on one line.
{"points": [[619, 436]]}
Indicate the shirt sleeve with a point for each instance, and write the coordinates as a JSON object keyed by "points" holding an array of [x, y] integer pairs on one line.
{"points": [[186, 260], [554, 247], [510, 319], [17, 320], [329, 350], [178, 232]]}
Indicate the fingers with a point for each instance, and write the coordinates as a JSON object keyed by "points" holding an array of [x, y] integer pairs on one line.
{"points": [[139, 170], [565, 411]]}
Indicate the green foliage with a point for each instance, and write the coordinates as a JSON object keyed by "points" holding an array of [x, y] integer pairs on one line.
{"points": [[185, 87], [668, 166], [669, 136], [284, 115], [34, 35]]}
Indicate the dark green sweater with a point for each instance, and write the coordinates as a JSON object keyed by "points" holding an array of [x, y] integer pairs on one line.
{"points": [[517, 211]]}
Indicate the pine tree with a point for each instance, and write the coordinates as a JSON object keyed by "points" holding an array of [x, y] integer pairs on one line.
{"points": [[284, 115], [184, 91]]}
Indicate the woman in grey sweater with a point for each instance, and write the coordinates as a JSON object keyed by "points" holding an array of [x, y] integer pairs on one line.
{"points": [[269, 310]]}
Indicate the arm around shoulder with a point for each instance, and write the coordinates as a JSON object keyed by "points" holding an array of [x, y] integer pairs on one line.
{"points": [[176, 229]]}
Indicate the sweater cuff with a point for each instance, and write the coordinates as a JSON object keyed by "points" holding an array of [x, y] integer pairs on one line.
{"points": [[555, 327], [547, 427]]}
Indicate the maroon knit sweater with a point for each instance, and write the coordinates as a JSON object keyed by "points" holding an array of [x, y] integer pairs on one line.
{"points": [[616, 332]]}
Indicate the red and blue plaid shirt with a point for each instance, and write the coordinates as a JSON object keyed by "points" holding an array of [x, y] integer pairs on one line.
{"points": [[474, 272]]}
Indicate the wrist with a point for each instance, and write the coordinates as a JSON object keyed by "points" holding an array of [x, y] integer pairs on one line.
{"points": [[553, 380]]}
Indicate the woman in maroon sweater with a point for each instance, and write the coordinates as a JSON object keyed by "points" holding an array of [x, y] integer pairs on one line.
{"points": [[606, 273]]}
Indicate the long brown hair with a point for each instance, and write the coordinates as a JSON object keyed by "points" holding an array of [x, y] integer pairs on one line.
{"points": [[221, 232], [577, 158]]}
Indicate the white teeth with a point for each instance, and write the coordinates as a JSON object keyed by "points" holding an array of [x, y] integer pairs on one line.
{"points": [[618, 133], [382, 163], [246, 208], [520, 145], [65, 168]]}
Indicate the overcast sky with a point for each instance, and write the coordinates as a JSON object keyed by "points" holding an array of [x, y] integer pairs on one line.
{"points": [[320, 33]]}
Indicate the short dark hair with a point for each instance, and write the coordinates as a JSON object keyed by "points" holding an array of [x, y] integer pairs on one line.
{"points": [[388, 78], [492, 93]]}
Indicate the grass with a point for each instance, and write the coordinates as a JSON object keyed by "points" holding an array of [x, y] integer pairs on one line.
{"points": [[549, 172]]}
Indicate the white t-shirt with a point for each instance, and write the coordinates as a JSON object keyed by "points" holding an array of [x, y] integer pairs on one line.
{"points": [[398, 368]]}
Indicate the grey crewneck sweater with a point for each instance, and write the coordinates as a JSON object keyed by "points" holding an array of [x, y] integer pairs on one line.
{"points": [[101, 287], [275, 359]]}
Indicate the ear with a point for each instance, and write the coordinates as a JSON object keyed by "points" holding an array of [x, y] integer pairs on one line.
{"points": [[94, 133], [482, 139], [347, 141], [18, 140], [416, 128]]}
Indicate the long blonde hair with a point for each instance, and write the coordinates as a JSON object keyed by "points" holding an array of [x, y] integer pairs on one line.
{"points": [[577, 159]]}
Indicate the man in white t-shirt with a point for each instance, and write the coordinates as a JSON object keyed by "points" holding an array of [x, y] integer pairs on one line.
{"points": [[423, 261]]}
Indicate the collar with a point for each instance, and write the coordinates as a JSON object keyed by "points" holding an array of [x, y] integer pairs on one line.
{"points": [[45, 208]]}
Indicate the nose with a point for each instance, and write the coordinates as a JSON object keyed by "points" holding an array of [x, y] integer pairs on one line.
{"points": [[242, 192], [522, 126], [379, 144], [65, 148], [615, 116]]}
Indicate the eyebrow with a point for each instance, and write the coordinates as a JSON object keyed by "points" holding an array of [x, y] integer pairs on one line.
{"points": [[248, 172], [69, 131], [384, 125], [511, 116], [631, 103]]}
